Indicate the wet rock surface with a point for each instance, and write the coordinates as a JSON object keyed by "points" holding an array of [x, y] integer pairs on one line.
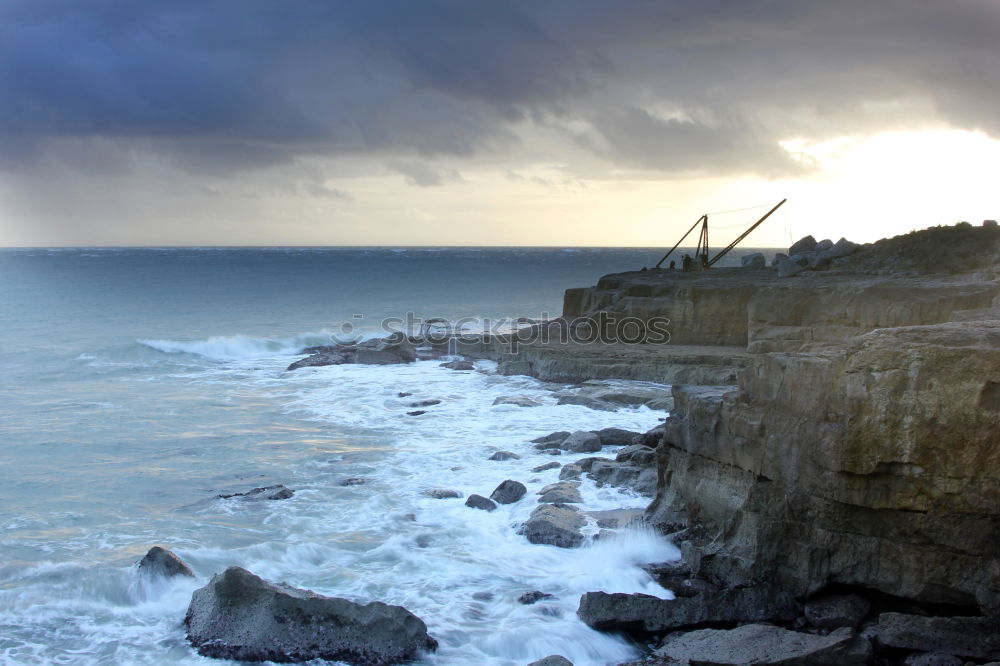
{"points": [[554, 525], [441, 493], [643, 614], [508, 492], [969, 637], [563, 492], [159, 561], [240, 616], [761, 644], [480, 502], [276, 492], [381, 351]]}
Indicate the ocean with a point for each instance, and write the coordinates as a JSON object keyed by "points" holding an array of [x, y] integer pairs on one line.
{"points": [[137, 385]]}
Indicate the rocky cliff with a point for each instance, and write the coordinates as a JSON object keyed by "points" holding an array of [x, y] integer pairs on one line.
{"points": [[860, 444]]}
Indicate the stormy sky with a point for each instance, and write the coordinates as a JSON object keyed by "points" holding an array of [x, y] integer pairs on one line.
{"points": [[574, 122]]}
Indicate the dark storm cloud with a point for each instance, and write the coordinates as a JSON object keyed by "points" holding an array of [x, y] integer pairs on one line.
{"points": [[224, 86]]}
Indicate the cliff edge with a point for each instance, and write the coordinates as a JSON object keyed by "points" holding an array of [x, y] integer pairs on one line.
{"points": [[860, 443]]}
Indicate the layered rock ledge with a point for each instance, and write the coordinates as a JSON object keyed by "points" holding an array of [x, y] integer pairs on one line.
{"points": [[857, 445]]}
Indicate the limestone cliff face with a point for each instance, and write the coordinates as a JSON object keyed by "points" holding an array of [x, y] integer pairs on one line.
{"points": [[875, 465], [860, 444]]}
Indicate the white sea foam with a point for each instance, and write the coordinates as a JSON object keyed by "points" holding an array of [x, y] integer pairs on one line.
{"points": [[461, 570], [239, 347]]}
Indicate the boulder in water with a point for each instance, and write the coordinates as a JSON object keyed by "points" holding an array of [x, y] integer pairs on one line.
{"points": [[440, 493], [529, 598], [582, 441], [162, 562], [552, 438], [546, 466], [458, 365], [563, 492], [555, 525], [480, 502], [242, 617], [505, 455], [381, 351], [552, 660], [275, 492], [508, 492]]}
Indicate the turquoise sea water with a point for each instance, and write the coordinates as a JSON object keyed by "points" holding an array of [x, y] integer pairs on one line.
{"points": [[138, 384]]}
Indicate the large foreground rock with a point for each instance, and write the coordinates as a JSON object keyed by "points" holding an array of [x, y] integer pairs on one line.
{"points": [[970, 637], [645, 614], [764, 644], [554, 525], [243, 617]]}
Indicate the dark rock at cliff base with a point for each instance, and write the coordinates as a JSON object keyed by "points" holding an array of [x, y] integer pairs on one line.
{"points": [[552, 438], [933, 659], [162, 562], [505, 455], [381, 351], [459, 365], [653, 436], [519, 400], [276, 492], [587, 464], [644, 614], [546, 466], [582, 441], [242, 617], [617, 436], [840, 610], [641, 479], [807, 244], [552, 660], [969, 637], [637, 454], [570, 472], [480, 502], [529, 598], [440, 493], [554, 525], [564, 492], [508, 492], [763, 644]]}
